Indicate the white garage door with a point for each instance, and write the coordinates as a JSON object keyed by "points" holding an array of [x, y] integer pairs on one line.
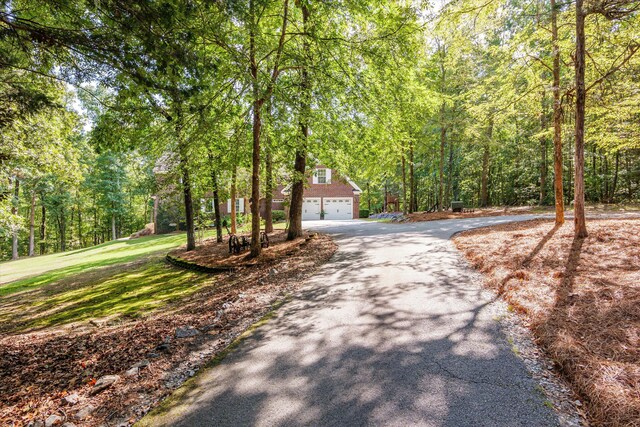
{"points": [[338, 208], [311, 208]]}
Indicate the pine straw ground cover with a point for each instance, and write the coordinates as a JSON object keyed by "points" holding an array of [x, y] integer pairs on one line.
{"points": [[46, 354], [580, 297], [477, 213]]}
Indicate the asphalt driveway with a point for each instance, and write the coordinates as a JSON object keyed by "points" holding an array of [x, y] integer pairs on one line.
{"points": [[394, 330]]}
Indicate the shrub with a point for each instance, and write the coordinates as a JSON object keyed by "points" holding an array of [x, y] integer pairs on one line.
{"points": [[277, 215], [364, 213]]}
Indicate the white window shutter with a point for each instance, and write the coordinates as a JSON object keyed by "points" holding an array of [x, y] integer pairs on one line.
{"points": [[328, 176], [241, 205], [315, 176], [229, 205]]}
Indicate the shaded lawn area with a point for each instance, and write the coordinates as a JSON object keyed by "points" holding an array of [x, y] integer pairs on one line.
{"points": [[581, 298], [29, 273], [127, 289]]}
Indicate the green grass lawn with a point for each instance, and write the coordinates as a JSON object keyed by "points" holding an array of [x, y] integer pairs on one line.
{"points": [[119, 278], [26, 273]]}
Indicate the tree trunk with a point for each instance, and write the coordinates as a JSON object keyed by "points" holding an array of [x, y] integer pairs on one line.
{"points": [[156, 203], [614, 185], [557, 119], [43, 230], [484, 191], [384, 203], [443, 140], [412, 181], [578, 204], [62, 225], [32, 225], [628, 168], [216, 198], [80, 226], [300, 163], [234, 195], [186, 181], [113, 226], [255, 176], [543, 154], [14, 211], [404, 185], [297, 191], [257, 127], [268, 199], [450, 176]]}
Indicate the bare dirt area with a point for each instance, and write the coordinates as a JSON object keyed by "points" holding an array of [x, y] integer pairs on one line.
{"points": [[581, 299], [113, 370]]}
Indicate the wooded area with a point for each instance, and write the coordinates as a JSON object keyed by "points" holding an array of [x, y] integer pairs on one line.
{"points": [[499, 103]]}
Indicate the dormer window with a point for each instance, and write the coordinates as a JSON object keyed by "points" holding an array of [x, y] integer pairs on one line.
{"points": [[322, 176]]}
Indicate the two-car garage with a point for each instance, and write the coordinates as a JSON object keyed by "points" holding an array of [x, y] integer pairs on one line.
{"points": [[333, 207]]}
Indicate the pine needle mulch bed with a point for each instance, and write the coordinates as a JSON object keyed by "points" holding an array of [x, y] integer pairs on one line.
{"points": [[581, 299], [210, 254], [41, 366], [477, 213]]}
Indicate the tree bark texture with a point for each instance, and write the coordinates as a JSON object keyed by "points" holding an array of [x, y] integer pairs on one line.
{"points": [[43, 230], [443, 141], [32, 225], [543, 153], [186, 183], [300, 163], [578, 203], [557, 119], [14, 211]]}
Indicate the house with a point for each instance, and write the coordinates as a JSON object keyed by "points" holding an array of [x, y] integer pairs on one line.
{"points": [[329, 195]]}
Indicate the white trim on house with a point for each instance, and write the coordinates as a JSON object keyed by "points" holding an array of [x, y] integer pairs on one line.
{"points": [[356, 190]]}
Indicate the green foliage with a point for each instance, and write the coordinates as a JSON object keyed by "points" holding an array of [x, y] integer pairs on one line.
{"points": [[278, 215]]}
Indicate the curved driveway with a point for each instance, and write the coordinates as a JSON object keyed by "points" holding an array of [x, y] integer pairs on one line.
{"points": [[394, 330]]}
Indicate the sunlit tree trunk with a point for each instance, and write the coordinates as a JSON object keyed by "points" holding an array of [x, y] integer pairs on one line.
{"points": [[412, 181], [113, 226], [578, 204], [14, 211], [32, 225], [557, 119], [43, 230], [614, 185], [543, 152], [443, 141]]}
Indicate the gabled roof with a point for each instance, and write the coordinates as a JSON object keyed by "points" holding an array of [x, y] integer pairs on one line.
{"points": [[356, 190]]}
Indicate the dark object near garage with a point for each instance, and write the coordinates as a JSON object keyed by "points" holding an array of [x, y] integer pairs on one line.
{"points": [[457, 206]]}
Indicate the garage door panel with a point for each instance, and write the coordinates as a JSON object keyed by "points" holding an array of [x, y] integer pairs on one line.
{"points": [[310, 208], [338, 208]]}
